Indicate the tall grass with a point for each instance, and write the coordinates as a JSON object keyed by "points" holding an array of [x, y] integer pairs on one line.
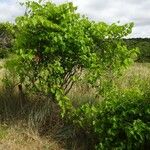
{"points": [[36, 109], [17, 137], [137, 76], [42, 115]]}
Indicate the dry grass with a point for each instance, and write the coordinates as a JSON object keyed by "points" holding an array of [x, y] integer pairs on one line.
{"points": [[21, 138], [18, 134], [137, 75], [81, 93], [139, 69]]}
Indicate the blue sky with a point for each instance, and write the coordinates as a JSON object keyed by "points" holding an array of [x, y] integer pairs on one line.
{"points": [[109, 11]]}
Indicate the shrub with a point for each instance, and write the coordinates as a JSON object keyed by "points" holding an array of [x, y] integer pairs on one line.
{"points": [[120, 122], [6, 38], [124, 122]]}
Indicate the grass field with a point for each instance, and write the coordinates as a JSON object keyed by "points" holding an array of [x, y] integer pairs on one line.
{"points": [[17, 134]]}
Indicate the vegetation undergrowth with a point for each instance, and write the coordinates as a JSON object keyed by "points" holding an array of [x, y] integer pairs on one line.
{"points": [[121, 121]]}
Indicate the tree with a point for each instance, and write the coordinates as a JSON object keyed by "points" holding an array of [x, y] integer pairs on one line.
{"points": [[54, 44]]}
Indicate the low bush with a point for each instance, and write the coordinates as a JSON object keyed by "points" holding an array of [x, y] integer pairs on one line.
{"points": [[122, 121]]}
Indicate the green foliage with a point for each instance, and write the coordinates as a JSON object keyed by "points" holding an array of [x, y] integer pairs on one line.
{"points": [[123, 122], [119, 122], [113, 56], [54, 44], [6, 39]]}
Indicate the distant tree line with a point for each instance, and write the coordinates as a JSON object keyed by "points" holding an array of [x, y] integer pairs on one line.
{"points": [[144, 47], [6, 39]]}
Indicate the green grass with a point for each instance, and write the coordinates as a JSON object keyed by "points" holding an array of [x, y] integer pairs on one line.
{"points": [[3, 131]]}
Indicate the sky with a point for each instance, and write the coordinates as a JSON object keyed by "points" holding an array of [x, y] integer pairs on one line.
{"points": [[109, 11]]}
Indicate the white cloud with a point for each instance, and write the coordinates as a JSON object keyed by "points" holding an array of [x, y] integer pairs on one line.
{"points": [[110, 11], [125, 11], [9, 9]]}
